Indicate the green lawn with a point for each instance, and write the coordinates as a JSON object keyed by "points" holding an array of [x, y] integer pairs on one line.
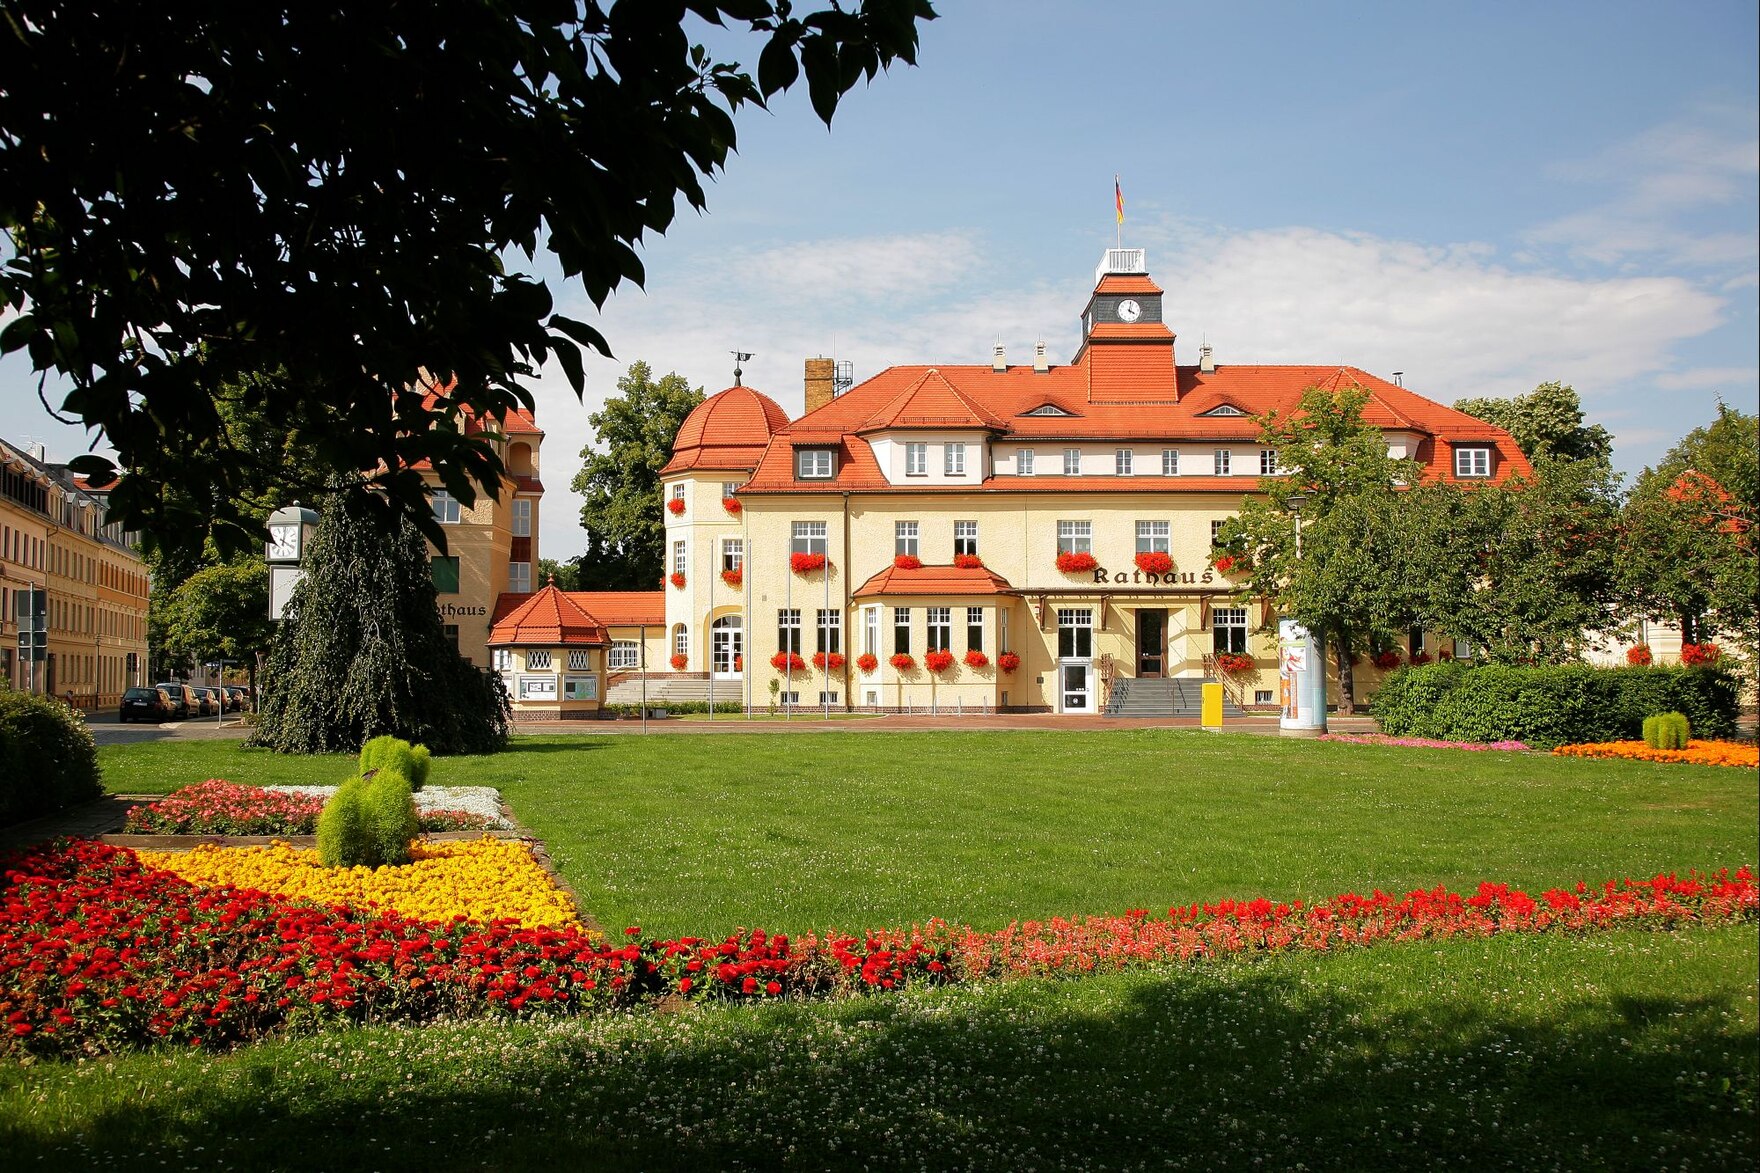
{"points": [[699, 834], [1613, 1050]]}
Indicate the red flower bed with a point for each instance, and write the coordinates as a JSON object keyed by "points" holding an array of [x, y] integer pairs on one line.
{"points": [[733, 578], [908, 562], [1695, 655], [1386, 661], [1008, 661], [806, 563], [677, 580], [1076, 563], [867, 662], [1640, 655], [903, 662], [1154, 562], [827, 663], [939, 660], [676, 505], [967, 561], [1234, 663], [732, 505], [219, 807], [1230, 564], [977, 659], [679, 660], [788, 662], [98, 953]]}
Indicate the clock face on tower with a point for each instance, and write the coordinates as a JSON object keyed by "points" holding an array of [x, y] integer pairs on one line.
{"points": [[1129, 310], [284, 543]]}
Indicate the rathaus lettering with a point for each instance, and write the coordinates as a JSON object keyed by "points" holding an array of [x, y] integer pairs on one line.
{"points": [[451, 609], [1173, 578]]}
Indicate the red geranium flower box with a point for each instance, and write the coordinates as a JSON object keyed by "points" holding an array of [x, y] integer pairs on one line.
{"points": [[1386, 661], [1076, 563], [939, 660], [824, 662], [1154, 562], [1640, 655], [1230, 564], [788, 662], [677, 580], [967, 561], [1008, 661], [733, 578], [977, 659], [1420, 657], [679, 660], [731, 504], [806, 563], [867, 662], [903, 662], [1698, 655], [908, 562], [1234, 663], [676, 505]]}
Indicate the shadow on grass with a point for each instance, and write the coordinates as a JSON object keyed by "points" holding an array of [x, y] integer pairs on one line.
{"points": [[1196, 1069]]}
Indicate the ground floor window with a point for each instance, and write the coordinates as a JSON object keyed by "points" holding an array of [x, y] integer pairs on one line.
{"points": [[537, 688], [871, 630], [581, 688], [625, 654], [901, 631], [536, 661], [681, 640], [503, 660], [580, 661], [1075, 633], [940, 629], [975, 629], [1230, 625]]}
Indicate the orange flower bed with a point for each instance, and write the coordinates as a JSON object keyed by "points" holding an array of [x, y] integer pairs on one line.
{"points": [[1697, 753]]}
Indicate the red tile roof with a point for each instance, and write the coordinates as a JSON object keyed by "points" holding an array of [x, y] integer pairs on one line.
{"points": [[623, 608], [546, 617], [1126, 283], [932, 402], [726, 431], [933, 580]]}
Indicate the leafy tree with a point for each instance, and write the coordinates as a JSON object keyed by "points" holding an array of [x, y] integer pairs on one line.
{"points": [[361, 651], [1548, 421], [196, 191], [620, 477], [561, 573], [221, 612]]}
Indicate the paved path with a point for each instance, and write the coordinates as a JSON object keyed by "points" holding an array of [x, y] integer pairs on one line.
{"points": [[89, 820], [918, 723], [107, 730]]}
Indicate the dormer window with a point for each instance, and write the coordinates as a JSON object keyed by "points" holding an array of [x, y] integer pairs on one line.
{"points": [[814, 464], [1472, 462], [1222, 409], [1047, 409]]}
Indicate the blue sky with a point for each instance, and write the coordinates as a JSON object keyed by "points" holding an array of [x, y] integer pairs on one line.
{"points": [[1482, 196]]}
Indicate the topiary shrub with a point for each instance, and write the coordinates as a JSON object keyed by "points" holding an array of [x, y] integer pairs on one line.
{"points": [[394, 753], [48, 760], [1667, 731], [390, 815], [343, 840]]}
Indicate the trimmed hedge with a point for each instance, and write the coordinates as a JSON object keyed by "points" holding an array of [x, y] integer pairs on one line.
{"points": [[48, 759], [675, 707], [1555, 705]]}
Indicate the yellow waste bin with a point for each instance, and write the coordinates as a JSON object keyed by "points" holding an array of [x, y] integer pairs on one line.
{"points": [[1212, 708]]}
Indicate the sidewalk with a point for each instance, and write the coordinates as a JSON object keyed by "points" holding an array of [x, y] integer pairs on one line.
{"points": [[101, 816], [809, 721]]}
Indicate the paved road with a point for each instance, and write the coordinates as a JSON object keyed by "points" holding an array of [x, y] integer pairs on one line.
{"points": [[107, 730]]}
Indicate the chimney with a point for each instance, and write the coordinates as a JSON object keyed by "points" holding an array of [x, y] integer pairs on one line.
{"points": [[1040, 362], [997, 361], [1206, 361], [820, 373]]}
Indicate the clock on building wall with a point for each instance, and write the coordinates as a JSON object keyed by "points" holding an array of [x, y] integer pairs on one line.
{"points": [[1129, 310]]}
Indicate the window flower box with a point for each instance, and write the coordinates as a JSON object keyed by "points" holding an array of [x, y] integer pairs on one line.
{"points": [[1076, 563], [787, 662], [977, 659], [827, 663], [1154, 562], [676, 580], [903, 662], [1231, 564], [868, 662], [680, 661], [908, 562], [733, 578], [1234, 663], [806, 563], [939, 660], [1008, 661], [1699, 655], [1386, 661], [1640, 656], [676, 506], [968, 561], [732, 505], [1420, 657]]}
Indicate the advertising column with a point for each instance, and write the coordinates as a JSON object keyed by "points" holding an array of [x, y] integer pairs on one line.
{"points": [[1301, 679]]}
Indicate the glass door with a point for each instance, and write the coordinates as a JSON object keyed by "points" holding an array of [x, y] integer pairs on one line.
{"points": [[726, 647], [1077, 688]]}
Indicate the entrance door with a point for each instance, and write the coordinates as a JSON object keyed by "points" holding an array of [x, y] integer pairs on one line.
{"points": [[726, 647], [1075, 687], [1151, 641]]}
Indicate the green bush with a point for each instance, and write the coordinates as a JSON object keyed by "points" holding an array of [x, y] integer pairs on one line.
{"points": [[390, 815], [1667, 731], [343, 839], [394, 753], [48, 760], [1551, 705], [673, 707]]}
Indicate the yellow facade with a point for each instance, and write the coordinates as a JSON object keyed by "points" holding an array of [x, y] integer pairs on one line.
{"points": [[495, 546]]}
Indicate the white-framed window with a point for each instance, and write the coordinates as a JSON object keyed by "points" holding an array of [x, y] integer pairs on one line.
{"points": [[1463, 650], [677, 491], [916, 460], [1075, 537], [1224, 462], [901, 631], [904, 538], [965, 537], [733, 553], [1170, 462], [445, 507], [955, 465], [940, 629], [502, 658], [680, 558], [1216, 524], [808, 537], [828, 630], [1023, 462], [728, 489], [522, 517], [1122, 460], [975, 628], [537, 661], [788, 630], [1154, 537], [871, 630], [580, 688], [813, 464], [519, 577], [625, 654], [681, 640], [1472, 462], [580, 660], [1072, 462], [1268, 462], [1075, 633], [1230, 624]]}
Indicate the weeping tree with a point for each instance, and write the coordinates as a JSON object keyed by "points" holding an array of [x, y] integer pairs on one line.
{"points": [[361, 651]]}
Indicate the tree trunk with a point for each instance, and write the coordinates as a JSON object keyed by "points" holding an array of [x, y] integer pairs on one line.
{"points": [[1347, 680], [1688, 634]]}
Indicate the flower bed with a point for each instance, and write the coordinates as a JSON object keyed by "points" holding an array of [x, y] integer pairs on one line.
{"points": [[1697, 753], [218, 807], [98, 952], [1422, 742]]}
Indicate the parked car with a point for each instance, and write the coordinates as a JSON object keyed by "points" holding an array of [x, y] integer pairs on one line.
{"points": [[235, 697], [145, 704], [184, 701], [213, 701]]}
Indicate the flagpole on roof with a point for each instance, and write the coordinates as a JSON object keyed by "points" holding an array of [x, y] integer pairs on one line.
{"points": [[1118, 207]]}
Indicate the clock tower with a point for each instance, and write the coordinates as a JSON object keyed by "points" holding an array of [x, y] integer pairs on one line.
{"points": [[1126, 346]]}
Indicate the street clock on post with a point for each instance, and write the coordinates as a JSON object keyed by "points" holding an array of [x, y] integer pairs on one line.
{"points": [[290, 534]]}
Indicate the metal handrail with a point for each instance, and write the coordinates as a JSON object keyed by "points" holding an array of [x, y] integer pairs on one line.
{"points": [[1230, 684]]}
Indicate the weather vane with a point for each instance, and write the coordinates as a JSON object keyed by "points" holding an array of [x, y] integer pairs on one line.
{"points": [[739, 356]]}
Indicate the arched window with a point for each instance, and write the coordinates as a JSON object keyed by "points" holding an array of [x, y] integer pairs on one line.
{"points": [[681, 640]]}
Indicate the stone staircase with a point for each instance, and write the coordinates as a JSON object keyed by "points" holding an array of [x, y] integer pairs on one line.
{"points": [[670, 686], [1166, 697]]}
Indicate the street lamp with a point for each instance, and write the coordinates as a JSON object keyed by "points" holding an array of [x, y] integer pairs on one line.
{"points": [[1295, 501]]}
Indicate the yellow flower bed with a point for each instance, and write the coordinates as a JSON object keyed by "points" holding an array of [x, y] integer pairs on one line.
{"points": [[489, 879], [1697, 753]]}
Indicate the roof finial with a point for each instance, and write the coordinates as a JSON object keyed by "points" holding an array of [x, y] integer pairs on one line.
{"points": [[550, 579], [739, 356]]}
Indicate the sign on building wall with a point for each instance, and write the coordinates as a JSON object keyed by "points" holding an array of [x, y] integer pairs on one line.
{"points": [[537, 688]]}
